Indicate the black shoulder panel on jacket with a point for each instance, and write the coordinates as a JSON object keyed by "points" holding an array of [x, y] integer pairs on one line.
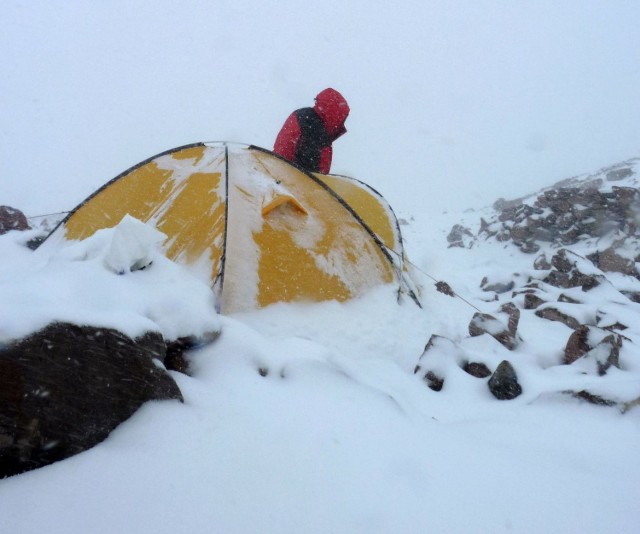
{"points": [[313, 138]]}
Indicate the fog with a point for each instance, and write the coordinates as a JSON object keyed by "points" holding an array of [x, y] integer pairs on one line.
{"points": [[453, 104]]}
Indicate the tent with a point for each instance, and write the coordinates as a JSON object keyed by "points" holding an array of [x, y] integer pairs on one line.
{"points": [[261, 229]]}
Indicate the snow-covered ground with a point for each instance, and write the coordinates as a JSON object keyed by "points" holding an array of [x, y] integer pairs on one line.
{"points": [[340, 435]]}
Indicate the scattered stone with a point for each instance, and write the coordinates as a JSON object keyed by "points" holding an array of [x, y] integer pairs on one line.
{"points": [[619, 174], [532, 301], [605, 219], [541, 263], [577, 345], [477, 369], [12, 219], [596, 345], [483, 323], [176, 351], [433, 340], [503, 384], [572, 210], [553, 314], [606, 353], [445, 288], [432, 376], [459, 236], [566, 272], [609, 260], [633, 296], [561, 262], [529, 247], [65, 388], [433, 381], [567, 299], [591, 398], [497, 287], [513, 313]]}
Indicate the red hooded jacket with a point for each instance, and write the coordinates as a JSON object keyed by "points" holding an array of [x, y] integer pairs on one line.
{"points": [[308, 133]]}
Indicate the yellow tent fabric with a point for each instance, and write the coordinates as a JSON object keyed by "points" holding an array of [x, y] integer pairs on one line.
{"points": [[263, 230]]}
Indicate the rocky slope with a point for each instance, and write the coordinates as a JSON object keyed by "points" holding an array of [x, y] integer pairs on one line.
{"points": [[582, 239]]}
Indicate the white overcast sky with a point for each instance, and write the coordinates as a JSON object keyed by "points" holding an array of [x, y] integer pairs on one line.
{"points": [[454, 103]]}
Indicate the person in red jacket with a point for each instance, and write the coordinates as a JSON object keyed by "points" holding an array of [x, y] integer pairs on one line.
{"points": [[308, 133]]}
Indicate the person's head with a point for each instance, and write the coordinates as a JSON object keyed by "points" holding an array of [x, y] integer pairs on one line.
{"points": [[334, 110]]}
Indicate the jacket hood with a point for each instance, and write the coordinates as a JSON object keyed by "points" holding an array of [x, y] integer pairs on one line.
{"points": [[333, 109]]}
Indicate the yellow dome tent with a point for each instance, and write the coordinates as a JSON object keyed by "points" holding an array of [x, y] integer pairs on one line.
{"points": [[263, 230]]}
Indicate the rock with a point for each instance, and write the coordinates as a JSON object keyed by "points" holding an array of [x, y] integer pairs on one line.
{"points": [[176, 350], [484, 323], [459, 236], [609, 260], [619, 174], [569, 271], [532, 301], [513, 314], [477, 369], [541, 263], [567, 299], [561, 262], [65, 388], [520, 233], [606, 353], [577, 345], [433, 381], [597, 347], [591, 398], [434, 340], [529, 247], [445, 288], [437, 349], [498, 287], [572, 210], [12, 219], [503, 384], [553, 314], [633, 296]]}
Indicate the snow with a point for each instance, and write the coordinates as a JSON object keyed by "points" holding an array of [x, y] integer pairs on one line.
{"points": [[91, 282], [452, 106], [339, 435]]}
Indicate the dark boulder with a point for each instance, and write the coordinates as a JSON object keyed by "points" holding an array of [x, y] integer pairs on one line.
{"points": [[503, 384], [65, 388], [434, 382], [12, 219], [477, 369]]}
